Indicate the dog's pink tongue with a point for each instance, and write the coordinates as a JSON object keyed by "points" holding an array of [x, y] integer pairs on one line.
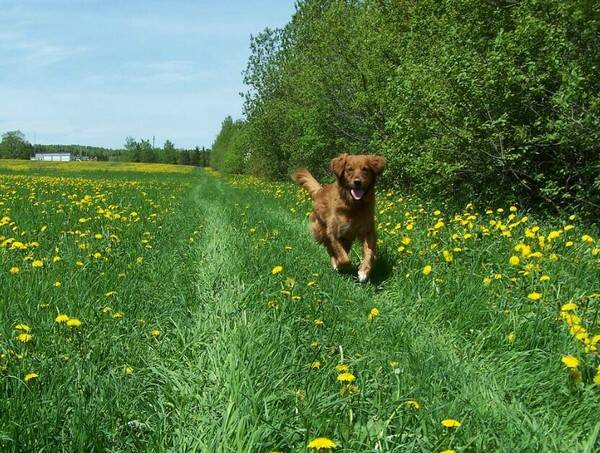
{"points": [[357, 193]]}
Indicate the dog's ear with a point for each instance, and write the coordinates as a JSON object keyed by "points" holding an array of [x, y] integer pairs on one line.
{"points": [[338, 164], [377, 163]]}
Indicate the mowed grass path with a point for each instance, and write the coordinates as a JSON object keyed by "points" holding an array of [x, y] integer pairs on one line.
{"points": [[246, 359]]}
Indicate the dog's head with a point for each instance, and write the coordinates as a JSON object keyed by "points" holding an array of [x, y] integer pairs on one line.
{"points": [[357, 173]]}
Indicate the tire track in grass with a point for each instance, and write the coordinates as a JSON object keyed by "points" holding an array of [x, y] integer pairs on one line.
{"points": [[248, 384]]}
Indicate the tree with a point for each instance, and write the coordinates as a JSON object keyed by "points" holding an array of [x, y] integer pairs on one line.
{"points": [[169, 153], [14, 146]]}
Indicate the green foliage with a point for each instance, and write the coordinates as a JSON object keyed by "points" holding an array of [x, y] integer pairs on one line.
{"points": [[14, 146], [498, 99], [229, 149]]}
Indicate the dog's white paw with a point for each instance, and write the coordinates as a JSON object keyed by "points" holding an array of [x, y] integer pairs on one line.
{"points": [[362, 276]]}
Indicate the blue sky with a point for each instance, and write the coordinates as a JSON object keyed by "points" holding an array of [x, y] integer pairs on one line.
{"points": [[95, 71]]}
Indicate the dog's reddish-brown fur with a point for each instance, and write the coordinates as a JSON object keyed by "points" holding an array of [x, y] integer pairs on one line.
{"points": [[338, 218]]}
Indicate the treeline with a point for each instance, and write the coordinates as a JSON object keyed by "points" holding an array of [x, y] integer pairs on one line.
{"points": [[15, 146], [491, 99]]}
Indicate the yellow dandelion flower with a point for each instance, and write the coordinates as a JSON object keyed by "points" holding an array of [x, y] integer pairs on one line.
{"points": [[316, 364], [30, 376], [568, 307], [14, 270], [427, 270], [74, 322], [61, 318], [450, 423], [413, 404], [346, 377], [587, 239], [373, 314], [155, 333], [57, 284], [544, 278], [448, 451], [314, 344], [487, 281], [23, 327], [322, 443], [118, 315], [128, 370], [597, 379], [24, 337], [276, 270], [511, 337], [514, 260], [570, 361], [318, 322], [534, 296], [37, 263], [110, 293]]}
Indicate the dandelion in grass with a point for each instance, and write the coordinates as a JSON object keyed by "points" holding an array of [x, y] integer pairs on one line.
{"points": [[514, 260], [597, 379], [322, 443], [427, 270], [61, 319], [22, 327], [276, 270], [570, 361], [24, 337], [31, 376], [110, 293], [544, 278], [346, 377], [373, 314], [127, 370], [450, 423], [511, 337], [37, 264], [118, 315], [587, 239], [155, 333], [314, 344], [57, 284], [311, 283], [413, 404], [14, 270], [315, 365], [448, 451], [570, 306], [534, 296], [318, 322], [74, 323]]}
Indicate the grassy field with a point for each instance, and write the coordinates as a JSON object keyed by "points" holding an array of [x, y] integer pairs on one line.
{"points": [[161, 308]]}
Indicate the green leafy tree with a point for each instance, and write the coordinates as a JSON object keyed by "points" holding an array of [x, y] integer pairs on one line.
{"points": [[15, 146]]}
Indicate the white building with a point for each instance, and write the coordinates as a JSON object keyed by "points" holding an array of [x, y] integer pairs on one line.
{"points": [[60, 157]]}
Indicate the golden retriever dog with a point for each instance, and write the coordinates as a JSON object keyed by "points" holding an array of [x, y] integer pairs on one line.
{"points": [[345, 210]]}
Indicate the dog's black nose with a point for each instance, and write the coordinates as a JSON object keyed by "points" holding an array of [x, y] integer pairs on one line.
{"points": [[357, 183]]}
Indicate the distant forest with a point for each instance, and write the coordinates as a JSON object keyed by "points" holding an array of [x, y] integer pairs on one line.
{"points": [[15, 146]]}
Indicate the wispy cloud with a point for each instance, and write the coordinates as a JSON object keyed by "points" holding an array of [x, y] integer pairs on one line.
{"points": [[166, 72], [33, 52]]}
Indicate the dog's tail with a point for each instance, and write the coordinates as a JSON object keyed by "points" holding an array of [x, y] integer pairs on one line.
{"points": [[303, 177]]}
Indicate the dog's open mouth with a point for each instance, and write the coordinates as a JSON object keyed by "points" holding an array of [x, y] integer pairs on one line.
{"points": [[357, 194]]}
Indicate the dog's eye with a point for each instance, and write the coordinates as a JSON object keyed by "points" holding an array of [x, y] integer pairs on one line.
{"points": [[365, 169]]}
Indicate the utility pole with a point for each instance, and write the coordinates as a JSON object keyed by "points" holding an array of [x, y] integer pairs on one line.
{"points": [[153, 142]]}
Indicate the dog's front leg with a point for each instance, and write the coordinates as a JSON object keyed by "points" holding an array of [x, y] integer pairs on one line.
{"points": [[369, 250], [339, 256]]}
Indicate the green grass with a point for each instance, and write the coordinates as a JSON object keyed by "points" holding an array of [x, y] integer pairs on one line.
{"points": [[231, 368]]}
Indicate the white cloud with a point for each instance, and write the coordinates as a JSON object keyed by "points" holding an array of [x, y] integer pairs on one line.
{"points": [[33, 52]]}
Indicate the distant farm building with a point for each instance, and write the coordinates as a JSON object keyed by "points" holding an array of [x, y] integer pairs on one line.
{"points": [[60, 157]]}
